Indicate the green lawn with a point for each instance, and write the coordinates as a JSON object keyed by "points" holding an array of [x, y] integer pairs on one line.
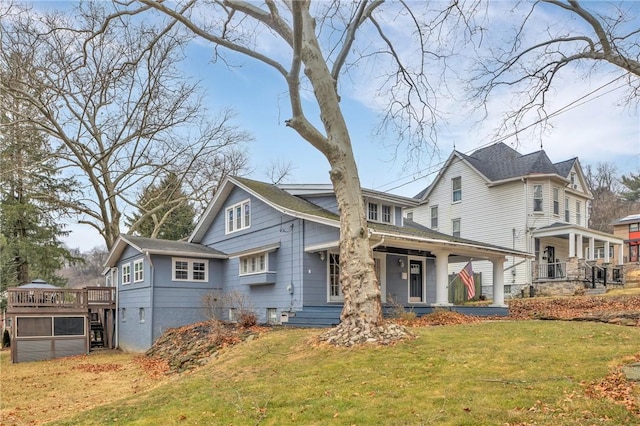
{"points": [[492, 373]]}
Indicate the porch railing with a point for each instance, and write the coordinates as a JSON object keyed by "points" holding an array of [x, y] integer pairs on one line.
{"points": [[552, 271], [60, 298]]}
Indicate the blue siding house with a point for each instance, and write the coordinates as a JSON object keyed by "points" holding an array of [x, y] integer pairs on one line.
{"points": [[278, 247]]}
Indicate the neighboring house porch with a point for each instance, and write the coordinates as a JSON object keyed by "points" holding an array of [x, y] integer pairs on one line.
{"points": [[570, 257]]}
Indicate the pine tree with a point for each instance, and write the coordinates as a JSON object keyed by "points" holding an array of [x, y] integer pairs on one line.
{"points": [[32, 200], [164, 211], [632, 182]]}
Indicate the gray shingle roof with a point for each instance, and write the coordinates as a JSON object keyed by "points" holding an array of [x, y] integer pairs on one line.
{"points": [[499, 162], [285, 200], [155, 245]]}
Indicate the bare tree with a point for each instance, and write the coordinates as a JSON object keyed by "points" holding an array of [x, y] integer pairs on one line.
{"points": [[557, 36], [315, 47], [114, 101]]}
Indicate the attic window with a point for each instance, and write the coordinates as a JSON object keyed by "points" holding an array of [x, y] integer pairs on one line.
{"points": [[456, 186]]}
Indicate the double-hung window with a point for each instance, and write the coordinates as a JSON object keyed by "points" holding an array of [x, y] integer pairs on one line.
{"points": [[373, 212], [138, 271], [537, 198], [387, 214], [126, 274], [434, 217], [556, 201], [566, 209], [238, 216], [578, 214], [190, 269], [455, 225], [456, 188]]}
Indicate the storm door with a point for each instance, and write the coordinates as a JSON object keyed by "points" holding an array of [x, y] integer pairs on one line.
{"points": [[416, 280]]}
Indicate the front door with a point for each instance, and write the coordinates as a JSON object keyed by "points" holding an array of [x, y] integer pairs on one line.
{"points": [[415, 280], [551, 259]]}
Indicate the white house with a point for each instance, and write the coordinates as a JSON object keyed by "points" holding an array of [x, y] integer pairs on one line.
{"points": [[527, 203]]}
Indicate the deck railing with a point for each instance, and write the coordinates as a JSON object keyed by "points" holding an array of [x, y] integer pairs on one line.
{"points": [[60, 298]]}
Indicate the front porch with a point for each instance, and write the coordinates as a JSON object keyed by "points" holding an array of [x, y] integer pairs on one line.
{"points": [[570, 259]]}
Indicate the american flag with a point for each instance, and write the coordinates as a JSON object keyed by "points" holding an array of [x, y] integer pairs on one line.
{"points": [[466, 275]]}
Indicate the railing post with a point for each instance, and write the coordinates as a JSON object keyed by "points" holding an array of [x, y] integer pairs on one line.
{"points": [[593, 277]]}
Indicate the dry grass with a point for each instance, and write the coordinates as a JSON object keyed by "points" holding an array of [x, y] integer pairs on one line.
{"points": [[38, 392]]}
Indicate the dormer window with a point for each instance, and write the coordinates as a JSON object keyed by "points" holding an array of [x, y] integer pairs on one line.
{"points": [[379, 213], [373, 212]]}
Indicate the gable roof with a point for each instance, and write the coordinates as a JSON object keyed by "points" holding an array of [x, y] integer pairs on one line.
{"points": [[632, 218], [270, 194], [310, 190], [500, 162], [158, 246]]}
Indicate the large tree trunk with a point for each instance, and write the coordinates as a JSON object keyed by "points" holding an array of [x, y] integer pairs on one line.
{"points": [[361, 318]]}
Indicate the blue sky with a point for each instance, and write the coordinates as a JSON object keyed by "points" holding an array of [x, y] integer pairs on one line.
{"points": [[597, 130]]}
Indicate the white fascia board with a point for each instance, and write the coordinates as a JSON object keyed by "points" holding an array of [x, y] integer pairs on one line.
{"points": [[249, 252], [322, 247], [211, 211]]}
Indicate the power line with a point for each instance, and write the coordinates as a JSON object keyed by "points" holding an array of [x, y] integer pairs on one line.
{"points": [[574, 104]]}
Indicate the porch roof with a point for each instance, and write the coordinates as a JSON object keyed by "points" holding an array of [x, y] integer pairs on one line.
{"points": [[562, 230], [414, 236]]}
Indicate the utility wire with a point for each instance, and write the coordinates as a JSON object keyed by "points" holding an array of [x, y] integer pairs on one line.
{"points": [[574, 104]]}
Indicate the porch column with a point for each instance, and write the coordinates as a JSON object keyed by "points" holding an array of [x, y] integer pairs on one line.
{"points": [[498, 282], [620, 254], [442, 278], [572, 244], [607, 259], [580, 253], [592, 248]]}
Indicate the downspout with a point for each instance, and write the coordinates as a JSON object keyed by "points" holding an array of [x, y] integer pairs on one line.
{"points": [[379, 243], [527, 232], [151, 284], [116, 320]]}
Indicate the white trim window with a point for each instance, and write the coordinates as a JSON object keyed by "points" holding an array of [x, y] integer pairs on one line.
{"points": [[556, 201], [456, 189], [537, 198], [333, 278], [578, 214], [567, 216], [387, 214], [138, 271], [254, 264], [455, 226], [434, 217], [373, 212], [126, 274], [238, 217], [189, 269]]}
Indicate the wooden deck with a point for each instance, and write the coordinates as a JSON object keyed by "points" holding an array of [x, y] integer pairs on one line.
{"points": [[35, 300]]}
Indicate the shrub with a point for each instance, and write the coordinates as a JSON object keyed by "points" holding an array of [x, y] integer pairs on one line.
{"points": [[6, 339]]}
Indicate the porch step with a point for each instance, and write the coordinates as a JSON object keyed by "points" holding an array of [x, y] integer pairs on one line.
{"points": [[595, 291]]}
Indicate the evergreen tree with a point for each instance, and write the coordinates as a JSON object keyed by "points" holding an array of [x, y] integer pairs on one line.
{"points": [[32, 199], [632, 183], [164, 211]]}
